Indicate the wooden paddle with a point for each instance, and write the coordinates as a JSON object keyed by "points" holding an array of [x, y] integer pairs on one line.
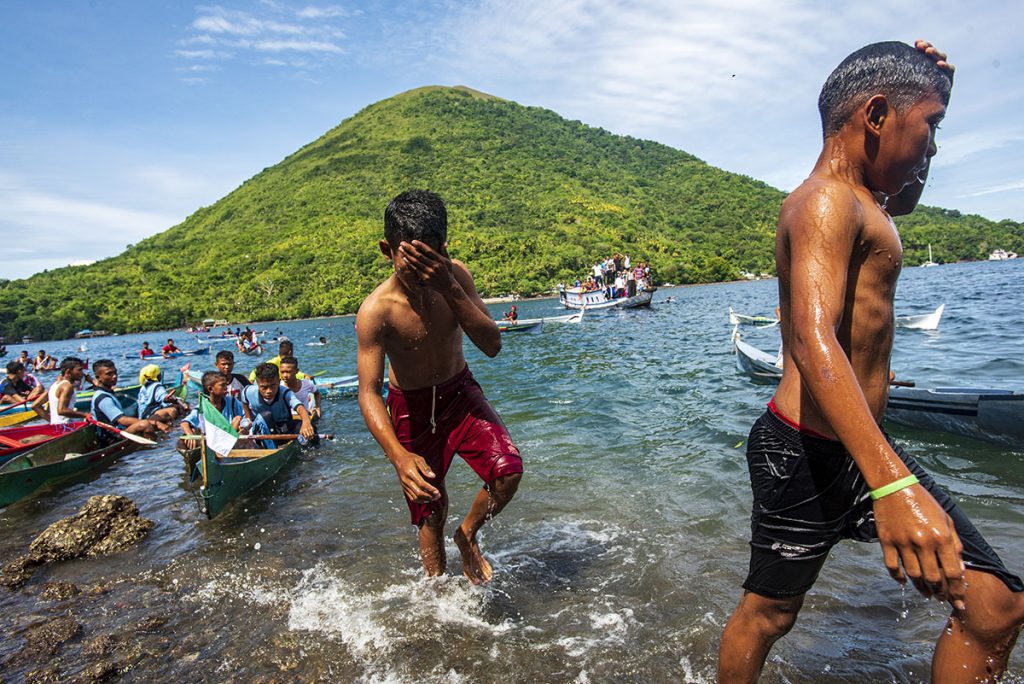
{"points": [[273, 438], [18, 403], [122, 433], [902, 383]]}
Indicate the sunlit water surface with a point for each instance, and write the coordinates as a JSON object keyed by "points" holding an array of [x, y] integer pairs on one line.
{"points": [[620, 559]]}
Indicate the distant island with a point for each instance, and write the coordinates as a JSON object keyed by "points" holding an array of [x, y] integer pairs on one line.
{"points": [[534, 200]]}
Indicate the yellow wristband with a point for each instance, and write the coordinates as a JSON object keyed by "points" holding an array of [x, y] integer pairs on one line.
{"points": [[893, 487]]}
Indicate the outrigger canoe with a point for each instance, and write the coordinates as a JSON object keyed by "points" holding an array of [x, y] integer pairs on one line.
{"points": [[759, 365], [519, 326], [75, 454], [201, 351], [991, 415], [18, 440], [223, 479], [743, 319]]}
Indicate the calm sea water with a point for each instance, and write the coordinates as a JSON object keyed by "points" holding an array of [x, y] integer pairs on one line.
{"points": [[620, 559]]}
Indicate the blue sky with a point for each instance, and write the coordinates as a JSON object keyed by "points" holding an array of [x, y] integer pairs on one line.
{"points": [[118, 119]]}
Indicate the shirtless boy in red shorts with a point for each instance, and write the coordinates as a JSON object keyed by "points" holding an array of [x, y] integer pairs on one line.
{"points": [[435, 408]]}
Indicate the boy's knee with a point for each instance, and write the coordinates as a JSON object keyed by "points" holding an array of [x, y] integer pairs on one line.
{"points": [[772, 618], [994, 620]]}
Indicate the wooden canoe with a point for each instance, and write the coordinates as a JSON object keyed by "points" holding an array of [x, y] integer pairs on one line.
{"points": [[74, 454], [83, 400], [225, 479], [31, 436]]}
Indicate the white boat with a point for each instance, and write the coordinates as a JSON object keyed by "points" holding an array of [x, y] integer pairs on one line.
{"points": [[929, 321], [929, 262], [1001, 255], [759, 365], [743, 319], [576, 298], [992, 415], [568, 318]]}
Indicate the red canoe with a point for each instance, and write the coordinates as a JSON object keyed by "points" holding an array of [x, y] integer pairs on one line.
{"points": [[16, 440]]}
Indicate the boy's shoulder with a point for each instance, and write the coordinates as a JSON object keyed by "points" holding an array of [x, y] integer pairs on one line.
{"points": [[822, 202], [384, 298]]}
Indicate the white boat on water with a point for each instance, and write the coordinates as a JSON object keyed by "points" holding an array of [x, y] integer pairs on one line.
{"points": [[929, 262], [530, 323], [577, 298], [929, 321], [759, 365], [743, 319], [1001, 255]]}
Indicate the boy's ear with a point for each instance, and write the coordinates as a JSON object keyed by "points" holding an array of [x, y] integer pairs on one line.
{"points": [[385, 249], [876, 114]]}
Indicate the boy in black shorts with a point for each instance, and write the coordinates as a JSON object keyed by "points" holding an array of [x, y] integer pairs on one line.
{"points": [[821, 467]]}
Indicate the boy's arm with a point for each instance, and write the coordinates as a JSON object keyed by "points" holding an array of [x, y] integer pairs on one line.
{"points": [[411, 468], [62, 398], [912, 527], [453, 281]]}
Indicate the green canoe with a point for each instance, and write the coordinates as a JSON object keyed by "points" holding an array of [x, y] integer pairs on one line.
{"points": [[224, 479], [76, 453]]}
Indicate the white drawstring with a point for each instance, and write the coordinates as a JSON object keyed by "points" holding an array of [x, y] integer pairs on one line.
{"points": [[433, 404]]}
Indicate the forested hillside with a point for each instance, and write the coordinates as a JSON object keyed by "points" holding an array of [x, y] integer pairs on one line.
{"points": [[533, 199]]}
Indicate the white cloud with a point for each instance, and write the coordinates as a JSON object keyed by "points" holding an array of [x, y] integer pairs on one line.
{"points": [[296, 46], [324, 12], [1004, 187]]}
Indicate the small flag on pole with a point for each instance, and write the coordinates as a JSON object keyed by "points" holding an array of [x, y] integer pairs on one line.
{"points": [[220, 436]]}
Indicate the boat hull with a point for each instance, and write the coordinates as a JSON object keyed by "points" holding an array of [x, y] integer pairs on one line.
{"points": [[226, 479], [48, 464], [995, 416], [597, 300], [33, 436]]}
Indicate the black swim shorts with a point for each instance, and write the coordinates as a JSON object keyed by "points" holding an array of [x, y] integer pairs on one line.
{"points": [[809, 494]]}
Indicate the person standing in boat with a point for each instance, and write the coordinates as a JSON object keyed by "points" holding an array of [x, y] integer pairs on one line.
{"points": [[435, 409], [107, 408], [821, 468]]}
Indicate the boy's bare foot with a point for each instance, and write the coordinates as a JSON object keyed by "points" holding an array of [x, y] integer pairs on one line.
{"points": [[474, 566]]}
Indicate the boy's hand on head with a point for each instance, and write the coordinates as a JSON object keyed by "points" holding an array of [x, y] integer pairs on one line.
{"points": [[432, 268], [933, 52]]}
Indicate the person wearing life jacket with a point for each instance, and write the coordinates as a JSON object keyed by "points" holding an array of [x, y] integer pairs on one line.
{"points": [[156, 401], [269, 407], [106, 407], [216, 388]]}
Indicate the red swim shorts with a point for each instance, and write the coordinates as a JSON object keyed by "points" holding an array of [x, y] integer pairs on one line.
{"points": [[463, 423]]}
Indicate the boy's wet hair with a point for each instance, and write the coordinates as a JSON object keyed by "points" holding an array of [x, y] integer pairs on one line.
{"points": [[69, 363], [416, 215], [290, 360], [267, 372], [15, 367], [900, 72], [211, 378], [225, 354], [102, 363], [285, 348]]}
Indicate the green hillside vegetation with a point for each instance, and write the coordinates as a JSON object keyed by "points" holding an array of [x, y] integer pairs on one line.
{"points": [[533, 199]]}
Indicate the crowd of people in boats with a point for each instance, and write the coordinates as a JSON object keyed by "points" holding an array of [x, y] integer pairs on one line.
{"points": [[277, 397], [617, 275]]}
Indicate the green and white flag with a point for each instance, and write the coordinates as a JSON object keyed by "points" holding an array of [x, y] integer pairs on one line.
{"points": [[220, 436]]}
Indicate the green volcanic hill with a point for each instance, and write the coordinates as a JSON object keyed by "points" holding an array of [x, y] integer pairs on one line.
{"points": [[533, 199]]}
